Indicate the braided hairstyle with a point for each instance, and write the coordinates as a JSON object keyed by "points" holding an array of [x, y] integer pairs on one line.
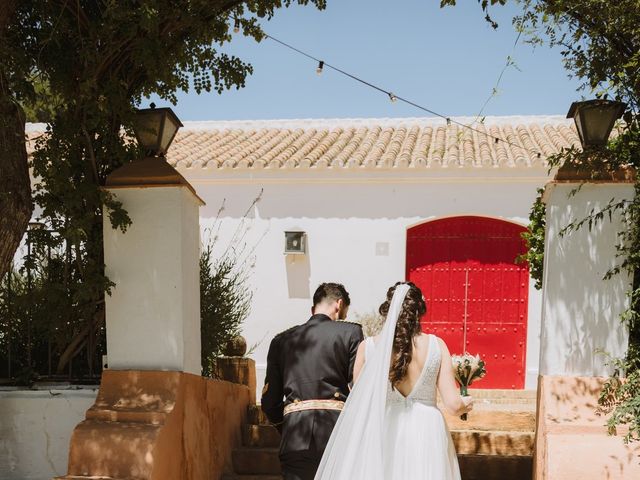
{"points": [[407, 328]]}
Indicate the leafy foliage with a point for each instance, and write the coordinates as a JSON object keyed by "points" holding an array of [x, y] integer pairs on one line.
{"points": [[83, 67], [485, 7], [42, 307], [225, 295], [372, 323], [225, 302], [534, 237]]}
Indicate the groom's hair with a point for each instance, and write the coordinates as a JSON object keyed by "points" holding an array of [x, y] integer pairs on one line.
{"points": [[331, 291]]}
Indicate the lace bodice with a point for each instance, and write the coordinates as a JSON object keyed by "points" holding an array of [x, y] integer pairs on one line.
{"points": [[424, 390]]}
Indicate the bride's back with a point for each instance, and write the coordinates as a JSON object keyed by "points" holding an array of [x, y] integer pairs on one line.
{"points": [[419, 355], [416, 366]]}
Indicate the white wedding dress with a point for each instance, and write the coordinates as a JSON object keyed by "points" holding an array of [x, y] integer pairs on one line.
{"points": [[382, 435], [416, 440]]}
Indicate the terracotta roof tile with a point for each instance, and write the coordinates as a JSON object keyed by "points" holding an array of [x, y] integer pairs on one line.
{"points": [[367, 143]]}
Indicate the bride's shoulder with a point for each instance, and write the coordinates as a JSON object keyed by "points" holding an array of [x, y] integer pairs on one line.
{"points": [[441, 343]]}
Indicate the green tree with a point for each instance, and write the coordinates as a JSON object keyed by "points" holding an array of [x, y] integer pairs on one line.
{"points": [[84, 65], [600, 42], [93, 61]]}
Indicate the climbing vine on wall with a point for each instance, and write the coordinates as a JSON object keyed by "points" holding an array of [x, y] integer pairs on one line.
{"points": [[534, 237]]}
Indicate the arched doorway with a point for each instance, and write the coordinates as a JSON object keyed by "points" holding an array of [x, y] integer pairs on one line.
{"points": [[476, 293]]}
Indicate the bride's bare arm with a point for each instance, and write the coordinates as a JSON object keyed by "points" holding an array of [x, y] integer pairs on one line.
{"points": [[359, 363], [455, 403]]}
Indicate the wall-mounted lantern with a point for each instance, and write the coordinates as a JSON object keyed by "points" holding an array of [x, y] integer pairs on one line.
{"points": [[595, 119], [155, 129], [295, 243]]}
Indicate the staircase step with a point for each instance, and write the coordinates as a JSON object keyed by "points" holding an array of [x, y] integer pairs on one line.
{"points": [[263, 464], [96, 444], [260, 436], [256, 461], [478, 419], [131, 415], [495, 443], [89, 477], [251, 477], [505, 395], [467, 441], [256, 416], [485, 467], [511, 444], [493, 420]]}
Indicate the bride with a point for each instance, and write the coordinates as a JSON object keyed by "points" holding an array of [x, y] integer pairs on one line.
{"points": [[391, 428]]}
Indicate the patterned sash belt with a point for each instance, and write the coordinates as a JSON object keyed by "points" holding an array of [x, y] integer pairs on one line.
{"points": [[302, 405]]}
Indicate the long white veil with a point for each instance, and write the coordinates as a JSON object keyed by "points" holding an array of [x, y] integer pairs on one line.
{"points": [[354, 450]]}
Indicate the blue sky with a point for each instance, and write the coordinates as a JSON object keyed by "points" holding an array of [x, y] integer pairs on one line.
{"points": [[447, 60]]}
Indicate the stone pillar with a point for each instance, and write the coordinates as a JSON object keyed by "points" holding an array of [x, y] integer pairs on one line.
{"points": [[580, 318], [581, 311], [153, 313]]}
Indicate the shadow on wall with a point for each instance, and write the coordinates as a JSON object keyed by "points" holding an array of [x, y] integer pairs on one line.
{"points": [[298, 275], [584, 320], [571, 438]]}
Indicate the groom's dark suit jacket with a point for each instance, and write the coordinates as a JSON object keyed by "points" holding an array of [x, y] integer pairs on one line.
{"points": [[313, 361]]}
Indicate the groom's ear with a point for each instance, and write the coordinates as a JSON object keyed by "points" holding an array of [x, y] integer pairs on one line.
{"points": [[342, 309]]}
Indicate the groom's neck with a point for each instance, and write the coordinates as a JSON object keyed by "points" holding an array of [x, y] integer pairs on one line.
{"points": [[325, 310]]}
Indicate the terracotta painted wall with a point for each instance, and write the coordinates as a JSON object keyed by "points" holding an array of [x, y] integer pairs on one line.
{"points": [[160, 426], [572, 441]]}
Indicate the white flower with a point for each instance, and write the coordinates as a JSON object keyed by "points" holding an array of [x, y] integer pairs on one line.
{"points": [[467, 368]]}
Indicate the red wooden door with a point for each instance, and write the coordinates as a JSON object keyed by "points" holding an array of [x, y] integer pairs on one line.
{"points": [[476, 293]]}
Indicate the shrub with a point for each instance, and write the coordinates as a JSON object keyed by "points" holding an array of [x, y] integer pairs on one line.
{"points": [[372, 323]]}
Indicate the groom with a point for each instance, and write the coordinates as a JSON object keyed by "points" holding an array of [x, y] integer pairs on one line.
{"points": [[309, 368]]}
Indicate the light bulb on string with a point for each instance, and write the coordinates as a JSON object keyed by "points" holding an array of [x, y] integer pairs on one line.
{"points": [[320, 67], [236, 26], [392, 97], [448, 121]]}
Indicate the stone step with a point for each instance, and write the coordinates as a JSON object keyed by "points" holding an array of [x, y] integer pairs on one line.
{"points": [[255, 416], [487, 414], [477, 462], [251, 477], [115, 450], [483, 417], [505, 444], [256, 461], [89, 477], [128, 415], [467, 441], [493, 420], [485, 467], [505, 395], [260, 436]]}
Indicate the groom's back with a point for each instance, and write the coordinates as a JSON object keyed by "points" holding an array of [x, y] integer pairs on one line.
{"points": [[318, 358], [314, 363]]}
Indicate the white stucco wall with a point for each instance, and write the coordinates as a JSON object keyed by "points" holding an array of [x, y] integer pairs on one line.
{"points": [[153, 314], [581, 311], [35, 430], [350, 217]]}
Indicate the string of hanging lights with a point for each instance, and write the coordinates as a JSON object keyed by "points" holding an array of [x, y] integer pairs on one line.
{"points": [[322, 64]]}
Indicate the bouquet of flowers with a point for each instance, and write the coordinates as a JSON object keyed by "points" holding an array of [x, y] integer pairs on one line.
{"points": [[467, 368]]}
